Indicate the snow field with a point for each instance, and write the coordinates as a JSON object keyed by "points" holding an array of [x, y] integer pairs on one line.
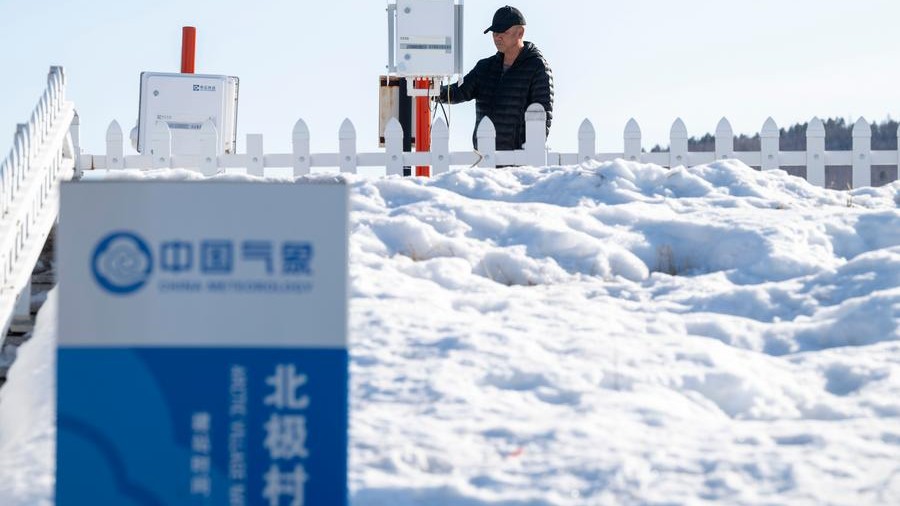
{"points": [[522, 340], [611, 333]]}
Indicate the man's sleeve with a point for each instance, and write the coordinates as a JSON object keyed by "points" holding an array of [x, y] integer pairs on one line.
{"points": [[456, 93], [542, 92]]}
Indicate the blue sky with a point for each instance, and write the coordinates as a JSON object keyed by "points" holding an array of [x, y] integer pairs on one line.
{"points": [[653, 60]]}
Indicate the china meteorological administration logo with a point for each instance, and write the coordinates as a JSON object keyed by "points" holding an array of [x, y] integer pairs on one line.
{"points": [[123, 262]]}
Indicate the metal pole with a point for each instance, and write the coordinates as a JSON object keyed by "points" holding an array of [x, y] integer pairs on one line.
{"points": [[423, 124], [188, 49]]}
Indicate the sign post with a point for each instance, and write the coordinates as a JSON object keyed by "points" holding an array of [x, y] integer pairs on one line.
{"points": [[202, 344]]}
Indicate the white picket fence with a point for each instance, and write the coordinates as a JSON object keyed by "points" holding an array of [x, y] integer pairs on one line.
{"points": [[393, 158], [815, 158], [43, 155]]}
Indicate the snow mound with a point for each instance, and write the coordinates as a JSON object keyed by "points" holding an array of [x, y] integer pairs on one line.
{"points": [[537, 226], [28, 417]]}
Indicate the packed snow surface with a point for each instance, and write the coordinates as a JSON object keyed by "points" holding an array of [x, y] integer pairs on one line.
{"points": [[611, 333]]}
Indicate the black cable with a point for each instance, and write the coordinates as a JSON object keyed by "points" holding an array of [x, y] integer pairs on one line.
{"points": [[443, 110]]}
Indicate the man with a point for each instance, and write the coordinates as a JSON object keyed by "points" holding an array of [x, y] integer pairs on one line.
{"points": [[504, 85]]}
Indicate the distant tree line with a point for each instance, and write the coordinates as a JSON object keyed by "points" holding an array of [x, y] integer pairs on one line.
{"points": [[838, 137]]}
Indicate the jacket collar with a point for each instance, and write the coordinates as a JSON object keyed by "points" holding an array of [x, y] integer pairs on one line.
{"points": [[529, 51]]}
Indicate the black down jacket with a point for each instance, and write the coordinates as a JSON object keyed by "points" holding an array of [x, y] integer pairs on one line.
{"points": [[504, 96]]}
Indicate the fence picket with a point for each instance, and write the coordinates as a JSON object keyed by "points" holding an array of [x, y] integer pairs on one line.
{"points": [[632, 141], [160, 145], [440, 147], [393, 147], [209, 142], [487, 143], [300, 144], [678, 144], [587, 141], [536, 135], [255, 155], [4, 185], [347, 137], [37, 123], [768, 140], [724, 140], [75, 146], [815, 152], [22, 158], [114, 147], [862, 149]]}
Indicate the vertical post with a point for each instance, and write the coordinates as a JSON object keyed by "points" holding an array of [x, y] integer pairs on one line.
{"points": [[347, 138], [255, 157], [486, 136], [815, 152], [768, 143], [724, 140], [423, 123], [536, 135], [678, 144], [300, 139], [587, 141], [209, 142], [440, 154], [393, 147], [632, 141], [862, 147], [188, 49], [114, 149]]}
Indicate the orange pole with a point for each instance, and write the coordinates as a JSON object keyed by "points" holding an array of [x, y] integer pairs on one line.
{"points": [[188, 49], [423, 125]]}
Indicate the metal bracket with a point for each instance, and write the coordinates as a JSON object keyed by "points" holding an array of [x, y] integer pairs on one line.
{"points": [[392, 21]]}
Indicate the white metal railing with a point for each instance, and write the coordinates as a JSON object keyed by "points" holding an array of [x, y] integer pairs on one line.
{"points": [[43, 155], [393, 158]]}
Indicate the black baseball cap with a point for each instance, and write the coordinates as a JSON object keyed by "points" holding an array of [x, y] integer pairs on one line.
{"points": [[504, 18]]}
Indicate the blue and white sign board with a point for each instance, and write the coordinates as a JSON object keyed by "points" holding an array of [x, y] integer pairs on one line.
{"points": [[202, 343]]}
